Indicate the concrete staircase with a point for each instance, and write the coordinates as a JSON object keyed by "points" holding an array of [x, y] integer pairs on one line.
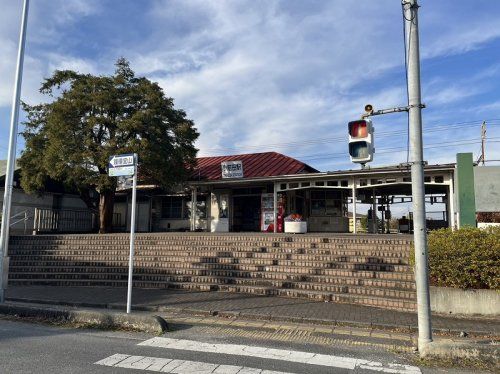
{"points": [[369, 270]]}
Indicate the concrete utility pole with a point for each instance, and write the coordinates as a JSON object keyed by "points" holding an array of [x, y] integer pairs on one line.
{"points": [[410, 8], [483, 140], [11, 158]]}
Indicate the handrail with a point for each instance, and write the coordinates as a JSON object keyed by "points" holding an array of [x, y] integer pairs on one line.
{"points": [[24, 212], [25, 218]]}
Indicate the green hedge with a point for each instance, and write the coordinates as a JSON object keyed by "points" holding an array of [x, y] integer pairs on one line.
{"points": [[465, 258]]}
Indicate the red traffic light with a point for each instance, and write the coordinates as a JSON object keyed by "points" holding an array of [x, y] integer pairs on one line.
{"points": [[358, 129]]}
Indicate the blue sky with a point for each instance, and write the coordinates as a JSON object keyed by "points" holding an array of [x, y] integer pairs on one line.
{"points": [[278, 75]]}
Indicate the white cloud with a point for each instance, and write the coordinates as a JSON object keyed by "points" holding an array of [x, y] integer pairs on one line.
{"points": [[257, 73], [61, 62], [462, 37]]}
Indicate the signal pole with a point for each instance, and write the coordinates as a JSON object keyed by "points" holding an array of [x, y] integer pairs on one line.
{"points": [[11, 158], [417, 172]]}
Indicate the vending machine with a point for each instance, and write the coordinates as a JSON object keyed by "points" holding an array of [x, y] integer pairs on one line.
{"points": [[281, 212], [267, 220], [267, 212]]}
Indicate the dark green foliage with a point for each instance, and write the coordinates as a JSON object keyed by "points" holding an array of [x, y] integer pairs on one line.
{"points": [[465, 258], [91, 118]]}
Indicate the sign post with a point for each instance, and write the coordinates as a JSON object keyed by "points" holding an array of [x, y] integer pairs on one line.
{"points": [[126, 165]]}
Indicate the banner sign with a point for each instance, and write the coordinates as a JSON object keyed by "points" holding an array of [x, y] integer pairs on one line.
{"points": [[232, 169]]}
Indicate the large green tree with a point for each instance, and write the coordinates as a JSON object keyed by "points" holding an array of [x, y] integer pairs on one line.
{"points": [[90, 118]]}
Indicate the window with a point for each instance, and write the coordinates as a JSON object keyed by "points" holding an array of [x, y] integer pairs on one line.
{"points": [[326, 203], [171, 207]]}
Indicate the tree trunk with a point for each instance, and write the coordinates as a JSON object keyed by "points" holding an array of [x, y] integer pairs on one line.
{"points": [[89, 202], [106, 202]]}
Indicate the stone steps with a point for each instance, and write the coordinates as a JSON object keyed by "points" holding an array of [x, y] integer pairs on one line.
{"points": [[278, 266], [212, 280], [361, 279], [327, 275], [370, 270], [284, 254]]}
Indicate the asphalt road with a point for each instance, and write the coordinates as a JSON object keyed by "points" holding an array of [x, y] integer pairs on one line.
{"points": [[35, 348]]}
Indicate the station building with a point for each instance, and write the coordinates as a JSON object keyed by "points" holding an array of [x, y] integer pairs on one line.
{"points": [[260, 191]]}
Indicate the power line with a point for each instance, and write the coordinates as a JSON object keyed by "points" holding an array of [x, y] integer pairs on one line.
{"points": [[339, 138], [397, 149], [343, 138]]}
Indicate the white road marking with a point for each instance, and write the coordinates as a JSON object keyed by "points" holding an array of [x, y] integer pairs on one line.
{"points": [[167, 365], [112, 360], [280, 354]]}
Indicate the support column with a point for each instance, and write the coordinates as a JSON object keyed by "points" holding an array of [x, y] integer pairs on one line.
{"points": [[382, 215], [275, 206], [193, 208], [208, 207], [466, 203], [451, 205], [354, 229], [374, 211]]}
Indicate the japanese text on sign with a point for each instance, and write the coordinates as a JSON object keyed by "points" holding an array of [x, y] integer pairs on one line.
{"points": [[232, 169]]}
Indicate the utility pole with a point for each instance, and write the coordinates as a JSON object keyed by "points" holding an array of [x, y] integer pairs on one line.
{"points": [[11, 158], [410, 8], [483, 140]]}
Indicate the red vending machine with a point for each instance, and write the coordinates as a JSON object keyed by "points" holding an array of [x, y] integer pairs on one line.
{"points": [[281, 212]]}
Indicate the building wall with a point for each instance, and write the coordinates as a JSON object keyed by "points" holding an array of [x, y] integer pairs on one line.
{"points": [[164, 224], [22, 202], [487, 188]]}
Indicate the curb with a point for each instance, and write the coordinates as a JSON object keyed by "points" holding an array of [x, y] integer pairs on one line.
{"points": [[455, 349], [92, 318], [258, 317]]}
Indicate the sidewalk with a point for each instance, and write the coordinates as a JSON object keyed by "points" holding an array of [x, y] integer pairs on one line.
{"points": [[245, 305]]}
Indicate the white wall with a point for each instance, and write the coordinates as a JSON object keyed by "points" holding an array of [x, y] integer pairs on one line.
{"points": [[487, 188]]}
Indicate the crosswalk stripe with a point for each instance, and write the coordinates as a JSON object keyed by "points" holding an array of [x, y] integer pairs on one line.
{"points": [[168, 365], [280, 354]]}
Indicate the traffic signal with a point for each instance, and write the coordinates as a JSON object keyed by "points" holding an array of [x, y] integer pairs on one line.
{"points": [[361, 142]]}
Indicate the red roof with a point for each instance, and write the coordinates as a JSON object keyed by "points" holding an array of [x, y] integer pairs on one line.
{"points": [[265, 164]]}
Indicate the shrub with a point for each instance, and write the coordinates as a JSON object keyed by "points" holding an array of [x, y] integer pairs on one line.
{"points": [[465, 258]]}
